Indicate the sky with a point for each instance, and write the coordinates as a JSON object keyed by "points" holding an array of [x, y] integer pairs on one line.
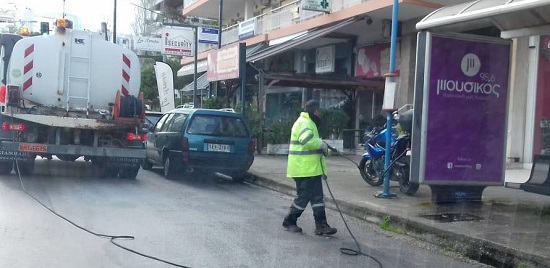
{"points": [[90, 12]]}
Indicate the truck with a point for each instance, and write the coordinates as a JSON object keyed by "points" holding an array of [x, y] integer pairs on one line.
{"points": [[70, 94]]}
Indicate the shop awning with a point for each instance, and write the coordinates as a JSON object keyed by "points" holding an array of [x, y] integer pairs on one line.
{"points": [[301, 39], [321, 81], [188, 68], [202, 83], [202, 65], [514, 18]]}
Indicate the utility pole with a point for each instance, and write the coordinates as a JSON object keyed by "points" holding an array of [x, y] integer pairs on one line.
{"points": [[114, 24], [391, 78]]}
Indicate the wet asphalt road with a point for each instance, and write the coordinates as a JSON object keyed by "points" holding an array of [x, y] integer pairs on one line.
{"points": [[196, 223]]}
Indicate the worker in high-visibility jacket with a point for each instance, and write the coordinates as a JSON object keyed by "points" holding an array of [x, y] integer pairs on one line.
{"points": [[306, 165]]}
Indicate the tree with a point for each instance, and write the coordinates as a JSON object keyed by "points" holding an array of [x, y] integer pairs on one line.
{"points": [[144, 19], [149, 80]]}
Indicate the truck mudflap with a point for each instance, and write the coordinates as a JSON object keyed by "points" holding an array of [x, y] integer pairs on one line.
{"points": [[119, 157]]}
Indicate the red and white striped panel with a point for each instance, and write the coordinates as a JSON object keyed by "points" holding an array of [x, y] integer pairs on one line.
{"points": [[126, 64], [29, 64]]}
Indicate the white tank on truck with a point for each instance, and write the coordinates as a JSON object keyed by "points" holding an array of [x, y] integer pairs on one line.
{"points": [[72, 94], [75, 69]]}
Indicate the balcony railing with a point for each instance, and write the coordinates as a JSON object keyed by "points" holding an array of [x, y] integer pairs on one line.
{"points": [[187, 3], [279, 18]]}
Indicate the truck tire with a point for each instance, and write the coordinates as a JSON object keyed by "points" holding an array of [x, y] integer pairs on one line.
{"points": [[108, 172], [25, 169], [128, 173], [146, 165], [68, 157], [6, 168]]}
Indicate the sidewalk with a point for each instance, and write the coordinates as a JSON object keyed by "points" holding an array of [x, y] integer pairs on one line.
{"points": [[510, 231]]}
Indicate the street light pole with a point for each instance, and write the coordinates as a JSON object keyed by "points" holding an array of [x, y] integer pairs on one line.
{"points": [[220, 30]]}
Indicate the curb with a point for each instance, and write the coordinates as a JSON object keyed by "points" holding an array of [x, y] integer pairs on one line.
{"points": [[477, 249]]}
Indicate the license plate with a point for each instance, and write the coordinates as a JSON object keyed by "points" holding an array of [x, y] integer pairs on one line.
{"points": [[225, 148], [33, 148]]}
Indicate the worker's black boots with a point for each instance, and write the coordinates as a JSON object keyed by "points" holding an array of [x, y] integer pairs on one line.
{"points": [[290, 223], [321, 225]]}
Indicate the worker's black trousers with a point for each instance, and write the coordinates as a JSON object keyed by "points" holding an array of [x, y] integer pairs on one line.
{"points": [[309, 190]]}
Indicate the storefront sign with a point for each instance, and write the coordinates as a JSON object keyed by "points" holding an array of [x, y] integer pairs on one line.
{"points": [[467, 93], [247, 29], [208, 35], [178, 41], [316, 5], [325, 59], [148, 43], [223, 64], [374, 61]]}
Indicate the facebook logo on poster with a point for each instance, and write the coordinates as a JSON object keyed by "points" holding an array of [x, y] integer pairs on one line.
{"points": [[450, 165]]}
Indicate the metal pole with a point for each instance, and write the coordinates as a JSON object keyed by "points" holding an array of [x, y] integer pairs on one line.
{"points": [[220, 25], [195, 67], [242, 70], [114, 24], [387, 161], [220, 29]]}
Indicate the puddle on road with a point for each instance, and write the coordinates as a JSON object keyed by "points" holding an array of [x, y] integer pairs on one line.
{"points": [[451, 217]]}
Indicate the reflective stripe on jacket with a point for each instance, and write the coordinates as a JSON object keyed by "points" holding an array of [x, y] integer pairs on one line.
{"points": [[304, 156]]}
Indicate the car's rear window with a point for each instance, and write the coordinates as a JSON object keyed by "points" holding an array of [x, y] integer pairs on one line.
{"points": [[218, 125], [152, 118]]}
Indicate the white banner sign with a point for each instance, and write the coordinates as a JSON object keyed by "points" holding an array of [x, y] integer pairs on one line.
{"points": [[178, 41], [147, 43], [165, 84], [325, 59]]}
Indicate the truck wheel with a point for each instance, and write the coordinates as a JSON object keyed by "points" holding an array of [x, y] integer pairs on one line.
{"points": [[68, 157], [145, 164], [25, 169], [128, 173], [5, 168], [108, 172], [169, 168]]}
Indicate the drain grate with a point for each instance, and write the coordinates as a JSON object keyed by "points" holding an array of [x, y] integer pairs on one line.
{"points": [[451, 217]]}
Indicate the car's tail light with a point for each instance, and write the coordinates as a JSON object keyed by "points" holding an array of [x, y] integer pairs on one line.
{"points": [[135, 137], [16, 127], [185, 149]]}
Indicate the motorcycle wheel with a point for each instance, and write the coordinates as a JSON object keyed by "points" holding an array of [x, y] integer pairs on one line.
{"points": [[368, 174], [405, 185]]}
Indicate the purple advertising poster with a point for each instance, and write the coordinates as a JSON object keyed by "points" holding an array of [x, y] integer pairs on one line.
{"points": [[466, 115]]}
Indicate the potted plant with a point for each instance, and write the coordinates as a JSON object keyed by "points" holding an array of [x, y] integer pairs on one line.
{"points": [[333, 122], [278, 136]]}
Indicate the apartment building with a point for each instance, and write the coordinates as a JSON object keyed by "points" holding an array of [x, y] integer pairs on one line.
{"points": [[284, 42]]}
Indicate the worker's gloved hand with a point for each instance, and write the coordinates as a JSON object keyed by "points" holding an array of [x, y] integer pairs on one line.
{"points": [[324, 149]]}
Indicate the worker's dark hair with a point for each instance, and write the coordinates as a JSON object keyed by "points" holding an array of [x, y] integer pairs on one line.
{"points": [[312, 105]]}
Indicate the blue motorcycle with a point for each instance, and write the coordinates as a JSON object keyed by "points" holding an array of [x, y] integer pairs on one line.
{"points": [[372, 164]]}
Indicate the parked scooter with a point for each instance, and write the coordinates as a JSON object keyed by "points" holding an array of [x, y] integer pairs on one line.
{"points": [[371, 166]]}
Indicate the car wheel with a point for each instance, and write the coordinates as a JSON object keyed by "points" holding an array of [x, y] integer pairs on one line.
{"points": [[239, 177], [169, 168], [6, 168], [146, 165]]}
